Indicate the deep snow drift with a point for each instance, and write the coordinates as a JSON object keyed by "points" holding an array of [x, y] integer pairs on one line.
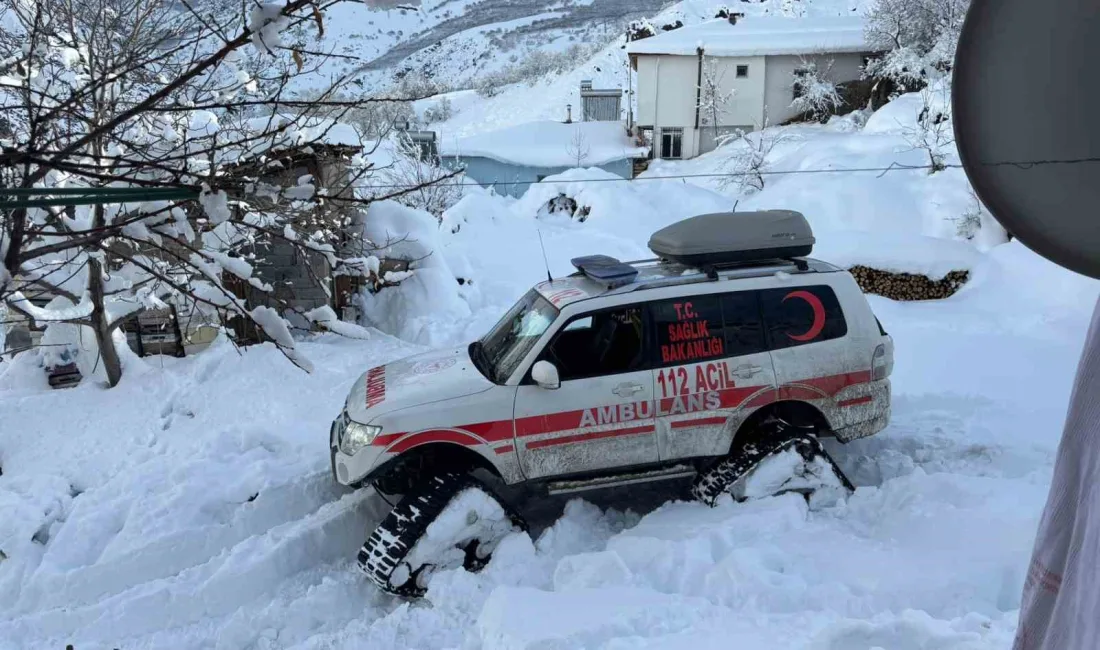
{"points": [[192, 506]]}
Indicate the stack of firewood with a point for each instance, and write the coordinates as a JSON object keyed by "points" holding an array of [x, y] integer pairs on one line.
{"points": [[907, 286]]}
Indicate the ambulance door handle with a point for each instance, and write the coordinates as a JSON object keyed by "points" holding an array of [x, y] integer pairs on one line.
{"points": [[746, 370], [625, 390]]}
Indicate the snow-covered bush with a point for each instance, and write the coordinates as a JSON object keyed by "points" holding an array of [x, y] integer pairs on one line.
{"points": [[538, 65], [431, 187], [430, 294], [814, 93], [440, 111], [415, 84], [933, 132], [747, 163], [919, 36]]}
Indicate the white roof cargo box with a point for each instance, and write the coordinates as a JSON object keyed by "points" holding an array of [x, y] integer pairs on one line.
{"points": [[725, 238]]}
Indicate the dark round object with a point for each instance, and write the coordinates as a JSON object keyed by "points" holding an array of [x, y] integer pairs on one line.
{"points": [[1026, 97]]}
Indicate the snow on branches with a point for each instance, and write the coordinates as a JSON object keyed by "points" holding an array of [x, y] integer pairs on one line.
{"points": [[814, 92], [713, 98], [266, 22], [178, 157], [919, 37]]}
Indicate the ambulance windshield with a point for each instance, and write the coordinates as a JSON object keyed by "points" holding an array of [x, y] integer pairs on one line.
{"points": [[500, 352]]}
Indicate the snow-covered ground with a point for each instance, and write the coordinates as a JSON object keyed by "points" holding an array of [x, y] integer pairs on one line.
{"points": [[192, 506]]}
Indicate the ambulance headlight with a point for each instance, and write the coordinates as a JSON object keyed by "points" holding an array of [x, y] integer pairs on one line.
{"points": [[356, 436]]}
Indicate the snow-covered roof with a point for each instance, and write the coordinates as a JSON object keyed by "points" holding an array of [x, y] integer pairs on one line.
{"points": [[291, 130], [549, 144], [760, 36]]}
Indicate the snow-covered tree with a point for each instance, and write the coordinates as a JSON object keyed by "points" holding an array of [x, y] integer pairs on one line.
{"points": [[578, 148], [747, 163], [119, 98], [814, 93], [440, 111], [436, 187], [932, 131], [713, 100], [919, 36]]}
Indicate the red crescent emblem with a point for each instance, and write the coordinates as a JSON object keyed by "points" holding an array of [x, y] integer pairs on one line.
{"points": [[819, 315]]}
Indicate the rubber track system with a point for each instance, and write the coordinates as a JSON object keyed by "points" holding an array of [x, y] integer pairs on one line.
{"points": [[398, 533], [711, 484]]}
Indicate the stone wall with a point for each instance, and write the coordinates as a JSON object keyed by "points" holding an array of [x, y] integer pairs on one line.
{"points": [[907, 286]]}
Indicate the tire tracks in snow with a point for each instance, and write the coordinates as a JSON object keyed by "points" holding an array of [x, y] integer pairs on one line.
{"points": [[203, 573]]}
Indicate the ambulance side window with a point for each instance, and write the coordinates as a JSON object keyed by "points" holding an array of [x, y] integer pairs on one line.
{"points": [[744, 328], [607, 342], [688, 330], [802, 315]]}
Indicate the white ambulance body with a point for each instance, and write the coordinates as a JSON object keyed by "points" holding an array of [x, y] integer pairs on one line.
{"points": [[591, 381]]}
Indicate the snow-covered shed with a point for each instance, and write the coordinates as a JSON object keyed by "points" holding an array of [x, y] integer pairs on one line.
{"points": [[700, 82], [511, 159]]}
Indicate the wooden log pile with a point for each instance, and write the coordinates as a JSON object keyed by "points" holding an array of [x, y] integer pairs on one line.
{"points": [[907, 286]]}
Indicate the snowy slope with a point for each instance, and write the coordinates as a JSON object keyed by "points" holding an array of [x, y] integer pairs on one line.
{"points": [[455, 41], [193, 506], [546, 98], [195, 509]]}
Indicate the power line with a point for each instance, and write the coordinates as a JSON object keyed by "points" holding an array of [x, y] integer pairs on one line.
{"points": [[882, 171], [1023, 164]]}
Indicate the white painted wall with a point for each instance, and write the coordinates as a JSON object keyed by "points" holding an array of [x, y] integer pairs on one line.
{"points": [[666, 93], [779, 92], [746, 108]]}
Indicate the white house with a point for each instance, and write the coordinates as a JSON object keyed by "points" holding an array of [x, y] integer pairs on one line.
{"points": [[755, 58]]}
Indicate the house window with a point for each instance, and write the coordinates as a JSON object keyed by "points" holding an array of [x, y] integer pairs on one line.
{"points": [[672, 143], [801, 75], [742, 71]]}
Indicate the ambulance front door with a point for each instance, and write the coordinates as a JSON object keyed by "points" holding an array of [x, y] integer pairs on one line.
{"points": [[601, 416]]}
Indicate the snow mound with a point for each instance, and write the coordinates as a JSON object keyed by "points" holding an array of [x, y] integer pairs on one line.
{"points": [[928, 256], [550, 144], [914, 630], [431, 295], [788, 471]]}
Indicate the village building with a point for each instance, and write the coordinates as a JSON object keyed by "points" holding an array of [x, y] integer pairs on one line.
{"points": [[511, 159], [751, 64]]}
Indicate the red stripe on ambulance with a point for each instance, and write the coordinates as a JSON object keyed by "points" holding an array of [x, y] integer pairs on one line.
{"points": [[595, 435], [376, 386], [720, 393], [698, 422]]}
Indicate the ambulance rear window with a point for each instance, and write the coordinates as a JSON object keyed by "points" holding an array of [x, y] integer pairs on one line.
{"points": [[802, 315]]}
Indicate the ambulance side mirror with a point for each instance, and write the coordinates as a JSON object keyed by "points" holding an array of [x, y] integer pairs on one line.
{"points": [[545, 375]]}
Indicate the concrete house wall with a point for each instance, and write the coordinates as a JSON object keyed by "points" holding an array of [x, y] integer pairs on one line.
{"points": [[667, 93], [779, 76]]}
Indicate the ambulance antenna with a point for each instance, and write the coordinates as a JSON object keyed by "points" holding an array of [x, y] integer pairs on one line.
{"points": [[544, 260]]}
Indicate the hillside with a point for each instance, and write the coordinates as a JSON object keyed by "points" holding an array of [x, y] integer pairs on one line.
{"points": [[457, 43]]}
